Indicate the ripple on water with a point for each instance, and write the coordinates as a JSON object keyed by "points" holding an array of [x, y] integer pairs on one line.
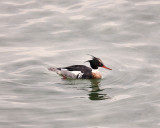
{"points": [[36, 35]]}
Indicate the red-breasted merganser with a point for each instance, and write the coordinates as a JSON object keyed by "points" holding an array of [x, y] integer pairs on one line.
{"points": [[81, 71]]}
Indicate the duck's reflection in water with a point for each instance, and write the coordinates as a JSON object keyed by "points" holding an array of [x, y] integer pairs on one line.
{"points": [[95, 94]]}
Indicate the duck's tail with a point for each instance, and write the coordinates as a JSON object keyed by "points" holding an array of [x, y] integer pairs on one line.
{"points": [[53, 69], [57, 70]]}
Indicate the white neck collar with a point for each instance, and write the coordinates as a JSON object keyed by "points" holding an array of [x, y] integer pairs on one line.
{"points": [[95, 70]]}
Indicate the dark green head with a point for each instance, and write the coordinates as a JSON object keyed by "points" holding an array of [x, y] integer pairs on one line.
{"points": [[96, 62]]}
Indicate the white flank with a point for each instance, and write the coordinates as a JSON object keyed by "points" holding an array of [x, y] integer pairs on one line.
{"points": [[70, 74]]}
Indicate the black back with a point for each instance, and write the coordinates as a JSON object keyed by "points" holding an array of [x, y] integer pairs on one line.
{"points": [[84, 69]]}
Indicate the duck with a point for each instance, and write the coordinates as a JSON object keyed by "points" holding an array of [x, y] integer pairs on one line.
{"points": [[81, 71]]}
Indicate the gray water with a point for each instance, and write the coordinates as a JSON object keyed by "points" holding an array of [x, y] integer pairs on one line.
{"points": [[37, 34]]}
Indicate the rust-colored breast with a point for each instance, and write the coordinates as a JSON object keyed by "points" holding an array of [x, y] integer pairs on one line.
{"points": [[96, 75]]}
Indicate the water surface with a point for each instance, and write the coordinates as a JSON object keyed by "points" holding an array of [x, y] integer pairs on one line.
{"points": [[36, 35]]}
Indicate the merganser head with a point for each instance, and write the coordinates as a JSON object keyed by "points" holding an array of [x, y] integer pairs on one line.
{"points": [[96, 62]]}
